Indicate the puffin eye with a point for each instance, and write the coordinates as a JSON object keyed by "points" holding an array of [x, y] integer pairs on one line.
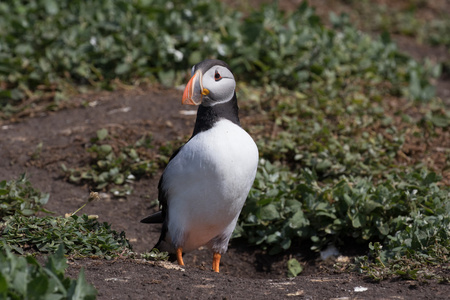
{"points": [[217, 76]]}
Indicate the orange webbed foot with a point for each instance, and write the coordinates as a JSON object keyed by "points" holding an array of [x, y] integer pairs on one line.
{"points": [[216, 261], [180, 256]]}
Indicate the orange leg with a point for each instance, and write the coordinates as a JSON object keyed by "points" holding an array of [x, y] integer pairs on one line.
{"points": [[180, 256], [216, 261]]}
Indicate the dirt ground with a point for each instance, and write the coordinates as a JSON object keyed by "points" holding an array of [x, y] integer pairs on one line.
{"points": [[246, 272]]}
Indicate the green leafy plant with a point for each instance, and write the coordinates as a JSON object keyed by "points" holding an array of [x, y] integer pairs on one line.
{"points": [[110, 167], [19, 197], [349, 134], [404, 20], [340, 178], [414, 265], [81, 236], [25, 278], [155, 255], [130, 40], [284, 208]]}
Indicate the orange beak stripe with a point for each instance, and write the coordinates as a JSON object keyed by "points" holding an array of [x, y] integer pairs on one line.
{"points": [[193, 92]]}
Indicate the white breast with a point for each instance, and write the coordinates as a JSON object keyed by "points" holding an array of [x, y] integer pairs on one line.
{"points": [[207, 183]]}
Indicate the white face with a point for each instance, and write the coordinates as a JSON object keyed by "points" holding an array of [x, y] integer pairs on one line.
{"points": [[221, 85]]}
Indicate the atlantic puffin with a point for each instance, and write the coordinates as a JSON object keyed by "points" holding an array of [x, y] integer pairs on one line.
{"points": [[207, 180]]}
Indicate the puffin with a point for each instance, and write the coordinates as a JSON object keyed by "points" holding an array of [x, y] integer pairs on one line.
{"points": [[207, 180]]}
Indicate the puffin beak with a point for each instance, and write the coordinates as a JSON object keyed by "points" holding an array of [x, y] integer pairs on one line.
{"points": [[194, 91]]}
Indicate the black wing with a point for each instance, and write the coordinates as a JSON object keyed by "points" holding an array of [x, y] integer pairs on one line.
{"points": [[160, 216]]}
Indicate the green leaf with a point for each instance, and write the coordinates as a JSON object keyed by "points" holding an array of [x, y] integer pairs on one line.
{"points": [[102, 134], [105, 149], [122, 68], [371, 206], [383, 228], [273, 238], [440, 120], [298, 220], [119, 179], [431, 178], [82, 290], [37, 287], [27, 212], [286, 243], [269, 212], [3, 285], [385, 37], [57, 262], [324, 165], [357, 220], [51, 7], [294, 267]]}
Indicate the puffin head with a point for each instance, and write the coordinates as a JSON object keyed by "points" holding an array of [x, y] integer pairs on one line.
{"points": [[211, 83]]}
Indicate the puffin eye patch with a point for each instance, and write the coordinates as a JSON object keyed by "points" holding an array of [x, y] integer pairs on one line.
{"points": [[217, 76]]}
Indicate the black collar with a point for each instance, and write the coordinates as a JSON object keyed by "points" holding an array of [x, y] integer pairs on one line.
{"points": [[207, 116]]}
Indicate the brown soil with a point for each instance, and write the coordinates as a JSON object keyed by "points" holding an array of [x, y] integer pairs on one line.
{"points": [[246, 272]]}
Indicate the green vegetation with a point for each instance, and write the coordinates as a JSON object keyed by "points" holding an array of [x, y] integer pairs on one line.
{"points": [[25, 278], [48, 49], [402, 210], [340, 174], [21, 231], [81, 236], [404, 20], [112, 168], [424, 21], [294, 267], [333, 112], [18, 197], [155, 255]]}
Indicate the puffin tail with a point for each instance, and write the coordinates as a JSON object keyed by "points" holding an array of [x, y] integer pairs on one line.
{"points": [[154, 218], [162, 245]]}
